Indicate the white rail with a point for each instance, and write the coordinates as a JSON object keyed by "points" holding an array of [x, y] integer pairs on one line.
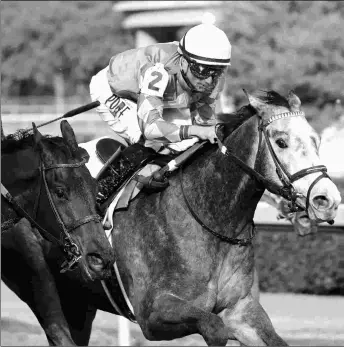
{"points": [[266, 214]]}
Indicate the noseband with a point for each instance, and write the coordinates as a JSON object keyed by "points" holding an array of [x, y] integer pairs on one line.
{"points": [[70, 248], [287, 190]]}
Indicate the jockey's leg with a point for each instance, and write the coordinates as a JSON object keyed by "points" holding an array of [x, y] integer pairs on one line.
{"points": [[119, 113], [172, 317], [250, 324], [36, 286]]}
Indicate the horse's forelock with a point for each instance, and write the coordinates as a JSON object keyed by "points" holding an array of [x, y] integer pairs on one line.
{"points": [[270, 97], [23, 139], [19, 140]]}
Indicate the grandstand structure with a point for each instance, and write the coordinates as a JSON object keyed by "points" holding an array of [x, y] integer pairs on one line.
{"points": [[162, 21]]}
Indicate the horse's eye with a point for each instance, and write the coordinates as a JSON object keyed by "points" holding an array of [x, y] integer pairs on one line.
{"points": [[60, 192], [281, 143]]}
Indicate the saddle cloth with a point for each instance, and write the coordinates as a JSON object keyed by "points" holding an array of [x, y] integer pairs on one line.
{"points": [[128, 191]]}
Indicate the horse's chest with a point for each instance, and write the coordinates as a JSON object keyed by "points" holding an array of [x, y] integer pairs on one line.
{"points": [[235, 280]]}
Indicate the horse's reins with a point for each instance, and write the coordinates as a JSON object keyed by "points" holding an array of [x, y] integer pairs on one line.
{"points": [[287, 190], [70, 248], [232, 240]]}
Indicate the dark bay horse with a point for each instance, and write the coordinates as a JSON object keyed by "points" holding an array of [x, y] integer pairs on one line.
{"points": [[48, 180], [185, 254]]}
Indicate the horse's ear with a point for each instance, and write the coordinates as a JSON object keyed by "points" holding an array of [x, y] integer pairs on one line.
{"points": [[69, 136], [256, 103], [294, 101], [83, 154], [37, 137]]}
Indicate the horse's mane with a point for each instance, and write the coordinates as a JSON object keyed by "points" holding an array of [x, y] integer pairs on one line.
{"points": [[232, 121], [23, 139]]}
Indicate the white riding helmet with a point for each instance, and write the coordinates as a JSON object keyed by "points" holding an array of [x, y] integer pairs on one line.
{"points": [[206, 44]]}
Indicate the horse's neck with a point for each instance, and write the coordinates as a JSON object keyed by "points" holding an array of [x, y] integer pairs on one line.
{"points": [[224, 193]]}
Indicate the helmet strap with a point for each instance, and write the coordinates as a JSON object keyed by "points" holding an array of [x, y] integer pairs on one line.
{"points": [[186, 79]]}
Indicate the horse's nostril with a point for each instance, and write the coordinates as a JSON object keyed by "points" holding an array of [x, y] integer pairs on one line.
{"points": [[321, 201], [95, 261]]}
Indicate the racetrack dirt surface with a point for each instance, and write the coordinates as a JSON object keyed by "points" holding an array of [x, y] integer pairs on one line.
{"points": [[302, 320]]}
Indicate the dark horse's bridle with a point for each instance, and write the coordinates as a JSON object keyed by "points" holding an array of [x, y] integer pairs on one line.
{"points": [[70, 248], [287, 190]]}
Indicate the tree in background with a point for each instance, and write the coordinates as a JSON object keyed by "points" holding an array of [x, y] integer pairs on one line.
{"points": [[47, 42], [283, 45], [278, 45]]}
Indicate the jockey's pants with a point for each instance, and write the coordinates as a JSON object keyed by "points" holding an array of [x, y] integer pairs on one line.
{"points": [[120, 114]]}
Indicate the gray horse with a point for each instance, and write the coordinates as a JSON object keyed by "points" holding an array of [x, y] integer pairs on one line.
{"points": [[185, 254], [180, 277]]}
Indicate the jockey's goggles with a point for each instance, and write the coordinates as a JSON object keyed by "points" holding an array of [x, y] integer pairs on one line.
{"points": [[202, 71]]}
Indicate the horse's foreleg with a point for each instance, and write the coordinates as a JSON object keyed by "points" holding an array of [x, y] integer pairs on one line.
{"points": [[250, 324], [44, 299], [79, 314], [255, 286], [172, 317], [46, 306]]}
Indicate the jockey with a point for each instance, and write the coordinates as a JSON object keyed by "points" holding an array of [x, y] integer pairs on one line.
{"points": [[163, 95]]}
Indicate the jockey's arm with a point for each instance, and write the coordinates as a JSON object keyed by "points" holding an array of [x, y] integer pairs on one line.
{"points": [[153, 83], [153, 126], [150, 110]]}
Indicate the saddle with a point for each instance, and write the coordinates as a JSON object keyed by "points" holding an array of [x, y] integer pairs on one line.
{"points": [[122, 163]]}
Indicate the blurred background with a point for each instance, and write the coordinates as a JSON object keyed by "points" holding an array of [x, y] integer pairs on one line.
{"points": [[50, 51]]}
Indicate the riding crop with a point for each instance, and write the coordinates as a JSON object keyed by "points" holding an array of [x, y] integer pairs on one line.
{"points": [[71, 113]]}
